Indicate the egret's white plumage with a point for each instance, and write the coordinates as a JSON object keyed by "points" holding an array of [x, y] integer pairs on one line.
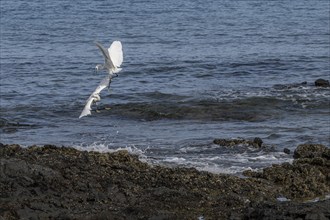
{"points": [[113, 57], [94, 97]]}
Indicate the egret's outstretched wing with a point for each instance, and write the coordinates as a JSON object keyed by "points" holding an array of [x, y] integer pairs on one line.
{"points": [[103, 50], [94, 97], [107, 61], [87, 109], [116, 53]]}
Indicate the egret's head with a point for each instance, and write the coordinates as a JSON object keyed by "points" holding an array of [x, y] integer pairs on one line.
{"points": [[96, 98], [98, 67]]}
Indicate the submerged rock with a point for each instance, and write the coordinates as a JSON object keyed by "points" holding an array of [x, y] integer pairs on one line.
{"points": [[290, 86], [9, 126], [64, 183]]}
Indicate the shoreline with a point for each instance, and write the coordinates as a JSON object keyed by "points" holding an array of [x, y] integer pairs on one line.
{"points": [[65, 183]]}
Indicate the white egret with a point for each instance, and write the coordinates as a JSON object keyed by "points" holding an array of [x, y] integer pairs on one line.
{"points": [[94, 97], [113, 58]]}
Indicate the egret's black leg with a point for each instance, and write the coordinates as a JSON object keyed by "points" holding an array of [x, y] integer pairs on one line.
{"points": [[109, 83]]}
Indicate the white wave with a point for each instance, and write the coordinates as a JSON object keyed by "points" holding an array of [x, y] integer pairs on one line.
{"points": [[228, 157], [229, 163], [177, 160], [108, 148], [225, 170]]}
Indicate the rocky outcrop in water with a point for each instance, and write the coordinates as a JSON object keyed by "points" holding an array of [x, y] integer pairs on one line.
{"points": [[64, 183], [256, 143], [243, 144], [322, 83]]}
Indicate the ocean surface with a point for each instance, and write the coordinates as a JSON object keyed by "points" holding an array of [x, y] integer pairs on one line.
{"points": [[193, 71]]}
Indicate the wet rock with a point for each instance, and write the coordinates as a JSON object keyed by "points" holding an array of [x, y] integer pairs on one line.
{"points": [[311, 151], [243, 144], [286, 150], [258, 141], [322, 83], [53, 182], [288, 210], [307, 176]]}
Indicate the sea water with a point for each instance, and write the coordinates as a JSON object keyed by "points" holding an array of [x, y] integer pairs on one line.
{"points": [[193, 71]]}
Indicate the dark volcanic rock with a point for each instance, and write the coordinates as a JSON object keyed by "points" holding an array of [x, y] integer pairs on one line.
{"points": [[308, 176], [286, 150], [289, 210], [322, 83], [257, 142], [63, 183], [311, 151], [243, 144]]}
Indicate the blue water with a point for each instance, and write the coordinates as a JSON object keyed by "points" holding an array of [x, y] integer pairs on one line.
{"points": [[193, 71]]}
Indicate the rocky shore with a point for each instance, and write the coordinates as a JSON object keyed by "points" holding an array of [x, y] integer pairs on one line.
{"points": [[52, 182]]}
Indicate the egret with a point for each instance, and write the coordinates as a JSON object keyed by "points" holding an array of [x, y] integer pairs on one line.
{"points": [[113, 58], [94, 97]]}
